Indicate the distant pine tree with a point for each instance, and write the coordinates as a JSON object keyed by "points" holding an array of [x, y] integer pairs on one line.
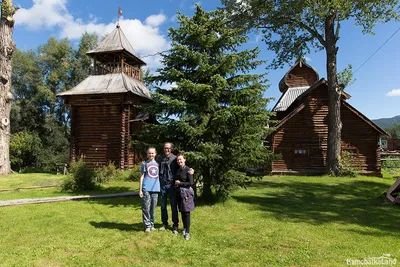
{"points": [[214, 111]]}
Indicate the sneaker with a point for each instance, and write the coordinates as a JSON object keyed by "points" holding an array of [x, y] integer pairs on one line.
{"points": [[152, 229], [148, 229], [183, 232], [187, 236], [175, 230], [163, 228]]}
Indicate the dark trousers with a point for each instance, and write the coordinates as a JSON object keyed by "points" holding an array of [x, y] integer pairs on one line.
{"points": [[186, 220], [168, 191]]}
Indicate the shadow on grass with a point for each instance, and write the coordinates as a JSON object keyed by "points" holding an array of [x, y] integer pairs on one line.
{"points": [[348, 202], [120, 226], [128, 201]]}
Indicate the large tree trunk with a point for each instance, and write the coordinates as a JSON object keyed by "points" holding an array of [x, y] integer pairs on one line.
{"points": [[207, 193], [334, 93], [7, 47]]}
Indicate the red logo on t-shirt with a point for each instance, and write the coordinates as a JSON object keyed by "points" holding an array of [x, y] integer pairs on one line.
{"points": [[152, 171]]}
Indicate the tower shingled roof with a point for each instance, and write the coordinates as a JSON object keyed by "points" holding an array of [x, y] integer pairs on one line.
{"points": [[116, 41]]}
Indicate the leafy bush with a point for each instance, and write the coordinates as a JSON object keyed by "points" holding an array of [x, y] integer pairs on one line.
{"points": [[135, 173], [24, 146], [346, 163], [108, 173], [80, 177], [391, 162]]}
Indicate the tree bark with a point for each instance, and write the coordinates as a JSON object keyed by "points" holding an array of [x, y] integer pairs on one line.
{"points": [[334, 93], [7, 47], [206, 193]]}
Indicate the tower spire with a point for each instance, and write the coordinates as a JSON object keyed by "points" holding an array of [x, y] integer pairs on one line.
{"points": [[119, 15]]}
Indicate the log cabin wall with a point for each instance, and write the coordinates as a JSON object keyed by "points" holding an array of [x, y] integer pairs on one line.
{"points": [[302, 140], [101, 129], [96, 124]]}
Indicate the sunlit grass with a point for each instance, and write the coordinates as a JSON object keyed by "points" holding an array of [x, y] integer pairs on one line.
{"points": [[279, 221]]}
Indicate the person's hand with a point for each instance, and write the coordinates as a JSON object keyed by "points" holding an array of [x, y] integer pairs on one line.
{"points": [[177, 182], [191, 171], [141, 194]]}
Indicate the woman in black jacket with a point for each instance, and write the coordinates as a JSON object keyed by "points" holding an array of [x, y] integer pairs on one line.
{"points": [[184, 193]]}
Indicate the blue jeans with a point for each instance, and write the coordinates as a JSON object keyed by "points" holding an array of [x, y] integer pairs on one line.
{"points": [[168, 190], [149, 204]]}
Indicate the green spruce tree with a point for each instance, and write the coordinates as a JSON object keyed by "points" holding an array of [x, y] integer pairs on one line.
{"points": [[214, 111]]}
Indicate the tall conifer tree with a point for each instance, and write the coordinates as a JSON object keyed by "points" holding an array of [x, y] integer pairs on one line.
{"points": [[215, 110]]}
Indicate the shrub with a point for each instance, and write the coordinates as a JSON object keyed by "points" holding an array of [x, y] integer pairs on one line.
{"points": [[23, 149], [80, 177], [135, 173], [391, 162], [108, 173], [347, 162]]}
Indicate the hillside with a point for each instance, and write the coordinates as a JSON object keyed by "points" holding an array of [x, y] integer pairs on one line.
{"points": [[387, 122]]}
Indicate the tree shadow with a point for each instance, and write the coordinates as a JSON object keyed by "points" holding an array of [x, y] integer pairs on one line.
{"points": [[356, 202], [138, 227], [127, 201]]}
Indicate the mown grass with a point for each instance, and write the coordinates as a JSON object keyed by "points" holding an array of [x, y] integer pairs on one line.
{"points": [[22, 181], [279, 221]]}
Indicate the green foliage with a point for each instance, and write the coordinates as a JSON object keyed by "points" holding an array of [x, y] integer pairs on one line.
{"points": [[135, 173], [216, 114], [391, 162], [293, 28], [23, 149], [108, 173], [80, 177], [345, 77], [347, 164], [38, 75], [394, 131]]}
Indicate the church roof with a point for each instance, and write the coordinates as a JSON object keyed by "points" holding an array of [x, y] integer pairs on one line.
{"points": [[108, 84], [289, 97], [116, 41]]}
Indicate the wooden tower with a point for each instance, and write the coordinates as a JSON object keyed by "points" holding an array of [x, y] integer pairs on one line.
{"points": [[103, 113]]}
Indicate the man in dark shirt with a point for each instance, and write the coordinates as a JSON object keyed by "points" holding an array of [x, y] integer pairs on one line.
{"points": [[168, 168]]}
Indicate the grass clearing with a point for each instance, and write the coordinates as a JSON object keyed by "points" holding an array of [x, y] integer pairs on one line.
{"points": [[17, 180], [279, 221]]}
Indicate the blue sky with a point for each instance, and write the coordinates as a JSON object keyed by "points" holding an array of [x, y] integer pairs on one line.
{"points": [[376, 91]]}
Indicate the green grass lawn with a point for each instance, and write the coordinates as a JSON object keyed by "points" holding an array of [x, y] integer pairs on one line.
{"points": [[279, 221], [17, 180]]}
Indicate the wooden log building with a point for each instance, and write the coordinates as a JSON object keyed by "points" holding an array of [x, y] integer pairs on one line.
{"points": [[103, 113], [301, 136]]}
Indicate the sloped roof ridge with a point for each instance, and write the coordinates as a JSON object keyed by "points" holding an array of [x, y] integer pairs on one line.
{"points": [[114, 41], [282, 81], [288, 97]]}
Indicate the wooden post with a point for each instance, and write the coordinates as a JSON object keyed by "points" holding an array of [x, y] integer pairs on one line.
{"points": [[7, 47]]}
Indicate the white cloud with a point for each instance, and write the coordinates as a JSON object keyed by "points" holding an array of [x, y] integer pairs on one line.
{"points": [[169, 86], [155, 20], [308, 59], [394, 92], [144, 37], [43, 14]]}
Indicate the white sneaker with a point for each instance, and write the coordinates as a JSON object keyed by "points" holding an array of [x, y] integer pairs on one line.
{"points": [[147, 230], [187, 236], [163, 228], [175, 231]]}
